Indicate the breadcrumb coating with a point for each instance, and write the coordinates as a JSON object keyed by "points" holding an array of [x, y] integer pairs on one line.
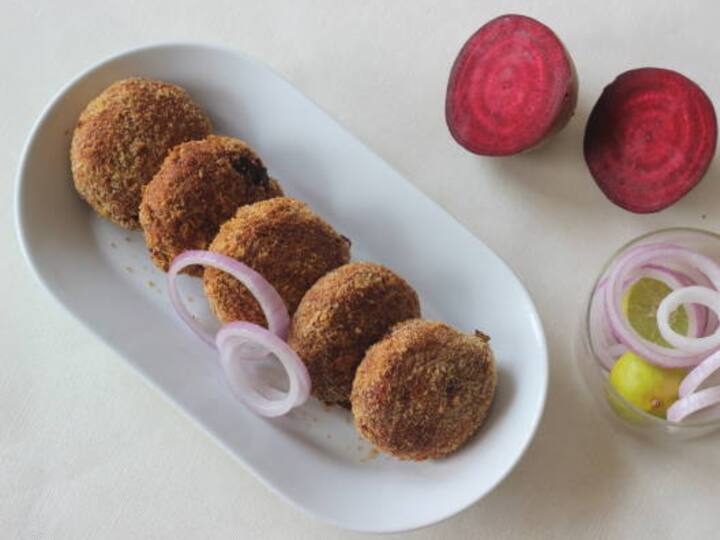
{"points": [[343, 314], [422, 391], [122, 137], [199, 186], [283, 240]]}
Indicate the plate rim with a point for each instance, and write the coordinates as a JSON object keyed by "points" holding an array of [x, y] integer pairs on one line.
{"points": [[20, 220]]}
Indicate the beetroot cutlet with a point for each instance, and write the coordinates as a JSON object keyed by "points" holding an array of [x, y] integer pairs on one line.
{"points": [[123, 136], [199, 186], [343, 314], [283, 240], [423, 390]]}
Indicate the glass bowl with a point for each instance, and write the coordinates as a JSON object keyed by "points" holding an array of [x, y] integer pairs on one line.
{"points": [[595, 375]]}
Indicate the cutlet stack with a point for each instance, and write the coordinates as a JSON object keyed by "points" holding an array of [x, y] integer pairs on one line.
{"points": [[142, 155]]}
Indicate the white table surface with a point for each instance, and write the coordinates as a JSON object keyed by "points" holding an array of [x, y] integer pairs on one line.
{"points": [[88, 450]]}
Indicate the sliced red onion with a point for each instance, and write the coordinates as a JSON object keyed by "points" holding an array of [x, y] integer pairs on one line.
{"points": [[697, 315], [711, 325], [695, 281], [605, 343], [243, 344], [272, 305], [699, 375], [686, 296], [606, 347], [689, 277], [256, 394], [693, 403], [626, 265]]}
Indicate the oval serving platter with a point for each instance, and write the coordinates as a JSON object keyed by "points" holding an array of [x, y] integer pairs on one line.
{"points": [[313, 457]]}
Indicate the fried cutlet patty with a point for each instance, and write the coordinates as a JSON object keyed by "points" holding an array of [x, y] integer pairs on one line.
{"points": [[122, 137], [199, 186], [345, 312], [283, 240], [423, 390]]}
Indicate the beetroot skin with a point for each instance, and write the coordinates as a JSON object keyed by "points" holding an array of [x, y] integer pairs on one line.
{"points": [[512, 85], [650, 139]]}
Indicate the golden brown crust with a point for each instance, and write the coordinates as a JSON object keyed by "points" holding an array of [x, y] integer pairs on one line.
{"points": [[423, 390], [199, 186], [342, 314], [283, 240], [122, 137]]}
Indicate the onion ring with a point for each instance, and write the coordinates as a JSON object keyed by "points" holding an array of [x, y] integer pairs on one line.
{"points": [[699, 375], [235, 334], [271, 303], [693, 403], [241, 343], [688, 295], [625, 266]]}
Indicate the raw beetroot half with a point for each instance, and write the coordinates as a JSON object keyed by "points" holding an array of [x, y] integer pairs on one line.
{"points": [[650, 138], [512, 85]]}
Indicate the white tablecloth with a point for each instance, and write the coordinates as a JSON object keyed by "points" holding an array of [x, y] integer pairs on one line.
{"points": [[87, 450]]}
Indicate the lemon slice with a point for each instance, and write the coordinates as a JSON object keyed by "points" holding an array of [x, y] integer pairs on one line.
{"points": [[640, 304]]}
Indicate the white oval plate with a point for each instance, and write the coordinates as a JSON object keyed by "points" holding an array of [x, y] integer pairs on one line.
{"points": [[312, 458]]}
